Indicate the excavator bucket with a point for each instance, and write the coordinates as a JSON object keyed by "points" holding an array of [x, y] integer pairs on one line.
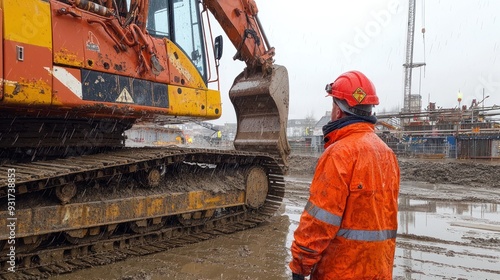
{"points": [[261, 105]]}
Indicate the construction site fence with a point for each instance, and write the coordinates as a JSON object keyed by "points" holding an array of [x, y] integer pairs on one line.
{"points": [[436, 151], [423, 151], [306, 149], [467, 149]]}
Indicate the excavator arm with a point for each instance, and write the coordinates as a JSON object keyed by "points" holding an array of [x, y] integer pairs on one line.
{"points": [[260, 93], [241, 24]]}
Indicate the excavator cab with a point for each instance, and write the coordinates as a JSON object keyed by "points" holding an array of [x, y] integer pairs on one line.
{"points": [[179, 21]]}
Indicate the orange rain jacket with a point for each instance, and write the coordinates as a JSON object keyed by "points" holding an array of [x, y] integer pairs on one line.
{"points": [[348, 228]]}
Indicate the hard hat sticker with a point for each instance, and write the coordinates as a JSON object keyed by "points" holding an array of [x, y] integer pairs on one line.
{"points": [[359, 95]]}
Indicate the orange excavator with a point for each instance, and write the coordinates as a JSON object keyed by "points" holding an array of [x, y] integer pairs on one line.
{"points": [[75, 75]]}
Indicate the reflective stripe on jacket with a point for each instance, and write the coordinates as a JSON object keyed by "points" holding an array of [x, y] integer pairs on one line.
{"points": [[348, 228]]}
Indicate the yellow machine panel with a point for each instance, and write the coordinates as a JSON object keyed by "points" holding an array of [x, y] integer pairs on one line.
{"points": [[27, 52], [28, 22], [195, 102]]}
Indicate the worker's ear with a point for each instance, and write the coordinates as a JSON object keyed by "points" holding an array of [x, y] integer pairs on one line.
{"points": [[340, 114], [336, 112], [344, 114]]}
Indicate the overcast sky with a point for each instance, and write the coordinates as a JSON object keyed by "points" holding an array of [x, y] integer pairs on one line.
{"points": [[318, 40]]}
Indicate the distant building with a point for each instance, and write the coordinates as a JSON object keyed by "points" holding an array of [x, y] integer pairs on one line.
{"points": [[295, 132], [318, 128], [306, 135], [297, 128]]}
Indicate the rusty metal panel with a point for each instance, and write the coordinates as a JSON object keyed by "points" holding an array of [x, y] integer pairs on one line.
{"points": [[495, 149], [475, 147], [105, 87], [56, 218]]}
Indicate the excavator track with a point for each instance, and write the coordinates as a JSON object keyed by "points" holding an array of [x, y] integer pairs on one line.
{"points": [[102, 214]]}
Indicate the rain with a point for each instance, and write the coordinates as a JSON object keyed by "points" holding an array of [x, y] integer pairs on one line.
{"points": [[122, 156]]}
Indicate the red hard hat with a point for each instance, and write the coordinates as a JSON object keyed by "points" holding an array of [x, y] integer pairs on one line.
{"points": [[354, 88]]}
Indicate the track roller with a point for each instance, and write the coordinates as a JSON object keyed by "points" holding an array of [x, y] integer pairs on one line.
{"points": [[153, 176], [65, 192], [79, 236], [257, 185], [143, 226], [196, 218]]}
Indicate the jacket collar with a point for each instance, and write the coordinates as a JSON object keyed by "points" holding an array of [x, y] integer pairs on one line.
{"points": [[337, 134]]}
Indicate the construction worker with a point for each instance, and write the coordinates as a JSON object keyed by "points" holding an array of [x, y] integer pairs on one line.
{"points": [[348, 227]]}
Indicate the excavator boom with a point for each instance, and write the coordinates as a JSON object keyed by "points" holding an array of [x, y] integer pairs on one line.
{"points": [[241, 24], [260, 93]]}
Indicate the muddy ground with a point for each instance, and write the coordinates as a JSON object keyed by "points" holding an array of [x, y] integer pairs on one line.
{"points": [[449, 228]]}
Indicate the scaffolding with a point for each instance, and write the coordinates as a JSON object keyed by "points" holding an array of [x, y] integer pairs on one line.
{"points": [[464, 133]]}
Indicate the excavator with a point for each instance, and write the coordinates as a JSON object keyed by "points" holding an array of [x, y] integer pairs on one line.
{"points": [[75, 75]]}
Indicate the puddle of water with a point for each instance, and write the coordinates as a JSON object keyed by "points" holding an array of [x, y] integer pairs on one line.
{"points": [[416, 264], [301, 180], [435, 219], [449, 222], [293, 213]]}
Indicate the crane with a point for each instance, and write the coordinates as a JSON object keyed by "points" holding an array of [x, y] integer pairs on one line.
{"points": [[409, 106]]}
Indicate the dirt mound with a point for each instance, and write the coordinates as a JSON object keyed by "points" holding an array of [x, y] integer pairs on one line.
{"points": [[469, 173], [302, 165], [474, 174]]}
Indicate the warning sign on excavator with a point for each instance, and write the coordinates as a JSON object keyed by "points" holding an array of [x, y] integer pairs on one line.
{"points": [[125, 97]]}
